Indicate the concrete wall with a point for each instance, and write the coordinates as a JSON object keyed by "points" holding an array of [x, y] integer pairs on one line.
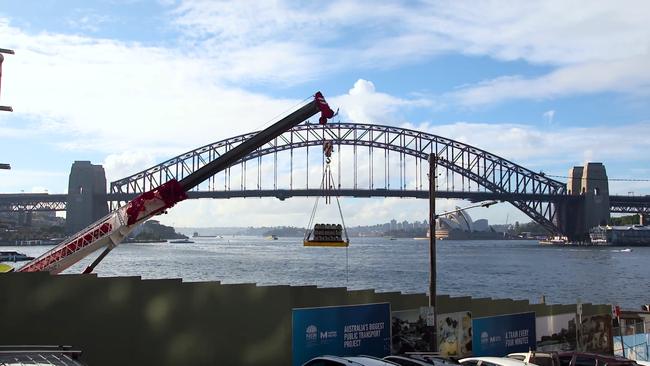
{"points": [[126, 320]]}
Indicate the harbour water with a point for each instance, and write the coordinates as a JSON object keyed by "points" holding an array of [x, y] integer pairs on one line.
{"points": [[517, 269]]}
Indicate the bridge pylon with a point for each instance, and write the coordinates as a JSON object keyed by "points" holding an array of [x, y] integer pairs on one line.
{"points": [[86, 196], [577, 217]]}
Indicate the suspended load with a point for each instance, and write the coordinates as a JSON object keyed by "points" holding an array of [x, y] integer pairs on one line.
{"points": [[327, 235]]}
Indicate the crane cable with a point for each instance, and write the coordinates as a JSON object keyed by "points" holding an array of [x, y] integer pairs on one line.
{"points": [[325, 187]]}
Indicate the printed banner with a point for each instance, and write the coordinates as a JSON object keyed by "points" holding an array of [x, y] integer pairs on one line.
{"points": [[341, 331], [455, 334], [556, 332], [595, 334], [500, 335], [412, 331]]}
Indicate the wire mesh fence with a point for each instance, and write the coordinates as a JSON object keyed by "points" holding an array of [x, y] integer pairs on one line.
{"points": [[632, 339]]}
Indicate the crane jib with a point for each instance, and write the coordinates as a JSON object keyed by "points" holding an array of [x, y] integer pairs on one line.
{"points": [[109, 231]]}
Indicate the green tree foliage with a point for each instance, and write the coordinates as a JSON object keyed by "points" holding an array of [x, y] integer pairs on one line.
{"points": [[624, 220]]}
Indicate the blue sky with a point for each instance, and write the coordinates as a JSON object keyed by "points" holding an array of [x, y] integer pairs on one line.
{"points": [[128, 84]]}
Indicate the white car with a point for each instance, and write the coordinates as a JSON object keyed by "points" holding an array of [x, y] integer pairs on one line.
{"points": [[348, 361], [537, 358], [493, 361]]}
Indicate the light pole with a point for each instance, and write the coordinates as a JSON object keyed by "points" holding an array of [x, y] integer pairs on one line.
{"points": [[4, 108], [432, 241], [432, 246], [2, 58]]}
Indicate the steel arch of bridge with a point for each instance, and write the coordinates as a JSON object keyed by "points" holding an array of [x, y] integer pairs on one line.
{"points": [[485, 169]]}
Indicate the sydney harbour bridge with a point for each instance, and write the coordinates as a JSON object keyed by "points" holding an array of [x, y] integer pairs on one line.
{"points": [[369, 161]]}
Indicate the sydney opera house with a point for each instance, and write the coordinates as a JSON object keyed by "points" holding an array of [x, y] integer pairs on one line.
{"points": [[459, 225]]}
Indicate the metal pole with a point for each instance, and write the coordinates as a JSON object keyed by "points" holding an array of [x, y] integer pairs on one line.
{"points": [[432, 246]]}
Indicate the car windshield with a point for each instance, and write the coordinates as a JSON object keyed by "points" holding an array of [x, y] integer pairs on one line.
{"points": [[542, 361], [565, 360]]}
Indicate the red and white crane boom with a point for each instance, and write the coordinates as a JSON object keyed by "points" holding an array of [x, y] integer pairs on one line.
{"points": [[109, 231]]}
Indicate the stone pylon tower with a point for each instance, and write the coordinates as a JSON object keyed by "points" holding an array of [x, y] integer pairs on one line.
{"points": [[591, 184], [595, 188], [86, 196]]}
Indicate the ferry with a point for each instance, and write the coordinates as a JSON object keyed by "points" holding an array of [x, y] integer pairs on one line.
{"points": [[634, 235], [555, 240], [180, 241], [6, 256]]}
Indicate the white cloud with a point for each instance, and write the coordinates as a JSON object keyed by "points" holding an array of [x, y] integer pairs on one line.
{"points": [[22, 180], [630, 75], [110, 96], [595, 46], [549, 116], [551, 32], [364, 104], [534, 147], [87, 20], [121, 165]]}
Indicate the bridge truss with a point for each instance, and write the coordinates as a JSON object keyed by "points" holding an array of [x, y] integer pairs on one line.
{"points": [[372, 157], [630, 204], [32, 202]]}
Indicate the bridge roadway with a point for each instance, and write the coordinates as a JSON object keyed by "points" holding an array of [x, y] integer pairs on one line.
{"points": [[57, 202]]}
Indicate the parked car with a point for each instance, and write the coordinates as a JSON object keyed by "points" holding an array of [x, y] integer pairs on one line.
{"points": [[39, 356], [348, 361], [592, 359], [538, 358], [421, 359], [493, 361], [407, 361]]}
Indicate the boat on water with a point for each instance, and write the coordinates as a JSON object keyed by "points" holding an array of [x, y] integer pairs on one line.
{"points": [[555, 240], [197, 235], [634, 235], [11, 256], [272, 237], [180, 241]]}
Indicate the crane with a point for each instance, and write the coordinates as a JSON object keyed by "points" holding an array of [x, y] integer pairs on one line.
{"points": [[110, 230]]}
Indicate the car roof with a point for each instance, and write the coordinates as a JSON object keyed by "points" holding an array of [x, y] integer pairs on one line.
{"points": [[536, 354], [410, 359], [355, 360], [498, 361], [596, 355]]}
